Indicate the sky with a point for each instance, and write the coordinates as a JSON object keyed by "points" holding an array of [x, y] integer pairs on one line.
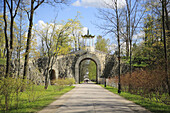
{"points": [[88, 10]]}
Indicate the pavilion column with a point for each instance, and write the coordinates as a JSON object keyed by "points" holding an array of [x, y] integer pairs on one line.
{"points": [[90, 42], [85, 42]]}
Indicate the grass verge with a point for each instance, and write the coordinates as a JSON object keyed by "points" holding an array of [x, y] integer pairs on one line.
{"points": [[144, 102], [31, 102]]}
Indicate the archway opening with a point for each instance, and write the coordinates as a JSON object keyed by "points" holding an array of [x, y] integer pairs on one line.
{"points": [[87, 56], [87, 71], [52, 77]]}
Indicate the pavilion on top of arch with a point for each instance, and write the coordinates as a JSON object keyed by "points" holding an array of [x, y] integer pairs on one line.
{"points": [[88, 42]]}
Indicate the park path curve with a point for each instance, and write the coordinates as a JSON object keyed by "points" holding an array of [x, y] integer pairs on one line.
{"points": [[92, 98]]}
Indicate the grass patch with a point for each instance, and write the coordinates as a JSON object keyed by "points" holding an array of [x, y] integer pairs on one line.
{"points": [[33, 101], [144, 102]]}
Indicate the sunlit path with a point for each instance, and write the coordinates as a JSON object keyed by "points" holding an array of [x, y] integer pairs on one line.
{"points": [[92, 98]]}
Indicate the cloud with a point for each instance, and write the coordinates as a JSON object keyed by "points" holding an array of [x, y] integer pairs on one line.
{"points": [[98, 3], [77, 3], [141, 34], [42, 25], [84, 30]]}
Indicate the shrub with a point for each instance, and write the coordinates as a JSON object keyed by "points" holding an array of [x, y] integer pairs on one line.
{"points": [[70, 81], [61, 83], [9, 91], [149, 83], [32, 92]]}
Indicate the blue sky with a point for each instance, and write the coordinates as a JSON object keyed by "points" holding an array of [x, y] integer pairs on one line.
{"points": [[87, 8], [47, 13]]}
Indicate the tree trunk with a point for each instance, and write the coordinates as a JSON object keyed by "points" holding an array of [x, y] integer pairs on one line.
{"points": [[46, 78], [6, 43], [127, 48], [165, 48], [130, 40], [28, 41], [118, 40], [127, 38]]}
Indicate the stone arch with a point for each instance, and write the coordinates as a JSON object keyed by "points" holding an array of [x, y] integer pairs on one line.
{"points": [[87, 56], [52, 76]]}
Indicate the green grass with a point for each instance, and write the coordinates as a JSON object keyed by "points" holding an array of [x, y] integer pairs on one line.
{"points": [[144, 102], [42, 99]]}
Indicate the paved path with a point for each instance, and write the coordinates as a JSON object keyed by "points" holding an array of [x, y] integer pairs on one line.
{"points": [[92, 98]]}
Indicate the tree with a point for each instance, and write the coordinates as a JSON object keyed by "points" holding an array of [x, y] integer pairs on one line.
{"points": [[92, 70], [102, 44], [83, 69], [159, 35], [13, 9], [122, 20], [113, 25], [165, 46], [2, 39], [56, 42], [76, 32], [134, 14], [34, 4]]}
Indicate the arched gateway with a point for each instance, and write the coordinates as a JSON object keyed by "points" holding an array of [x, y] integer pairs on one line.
{"points": [[88, 56], [69, 65]]}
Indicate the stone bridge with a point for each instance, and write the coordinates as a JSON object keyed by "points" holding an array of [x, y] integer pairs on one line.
{"points": [[69, 65]]}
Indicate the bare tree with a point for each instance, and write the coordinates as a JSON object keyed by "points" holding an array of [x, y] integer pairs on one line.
{"points": [[12, 6], [34, 4], [122, 21], [112, 16], [76, 34], [134, 14], [54, 38]]}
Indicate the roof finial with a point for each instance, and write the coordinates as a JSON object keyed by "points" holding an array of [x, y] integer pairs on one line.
{"points": [[87, 31]]}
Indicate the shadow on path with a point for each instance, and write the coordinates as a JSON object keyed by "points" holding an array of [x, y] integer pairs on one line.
{"points": [[92, 98]]}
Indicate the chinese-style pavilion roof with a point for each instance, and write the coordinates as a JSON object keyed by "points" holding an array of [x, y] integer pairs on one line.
{"points": [[88, 36]]}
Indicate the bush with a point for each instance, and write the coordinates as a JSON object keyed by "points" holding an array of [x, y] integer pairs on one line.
{"points": [[9, 91], [61, 83], [147, 83], [32, 92], [70, 81]]}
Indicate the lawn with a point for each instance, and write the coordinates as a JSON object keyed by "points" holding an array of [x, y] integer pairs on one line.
{"points": [[34, 100], [153, 106]]}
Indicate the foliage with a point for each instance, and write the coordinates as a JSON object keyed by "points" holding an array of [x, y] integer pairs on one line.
{"points": [[102, 44], [2, 38], [83, 69], [32, 93], [55, 41], [62, 83], [9, 92], [92, 71], [148, 55], [34, 97], [76, 32], [149, 83], [153, 106], [2, 61]]}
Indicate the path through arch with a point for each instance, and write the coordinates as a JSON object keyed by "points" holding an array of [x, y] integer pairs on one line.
{"points": [[87, 56]]}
